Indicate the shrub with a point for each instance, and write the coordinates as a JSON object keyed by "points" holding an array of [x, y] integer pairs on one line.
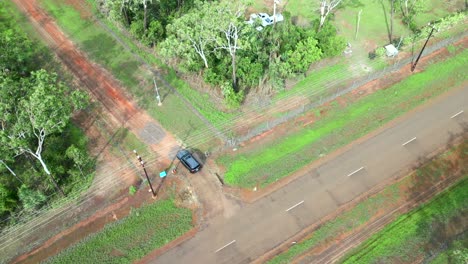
{"points": [[330, 44], [7, 200], [132, 190], [31, 199], [233, 99], [380, 52]]}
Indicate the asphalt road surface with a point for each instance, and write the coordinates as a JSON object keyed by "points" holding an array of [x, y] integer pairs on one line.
{"points": [[256, 228]]}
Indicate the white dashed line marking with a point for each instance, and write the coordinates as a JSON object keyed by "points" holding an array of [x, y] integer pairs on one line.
{"points": [[455, 115], [355, 171], [409, 141], [294, 206], [232, 242]]}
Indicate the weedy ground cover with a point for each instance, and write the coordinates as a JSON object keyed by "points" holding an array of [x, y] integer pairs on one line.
{"points": [[132, 237]]}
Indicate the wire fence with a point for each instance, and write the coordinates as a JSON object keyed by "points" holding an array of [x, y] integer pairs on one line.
{"points": [[340, 86]]}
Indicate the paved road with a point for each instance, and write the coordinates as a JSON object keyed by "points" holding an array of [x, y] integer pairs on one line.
{"points": [[259, 227]]}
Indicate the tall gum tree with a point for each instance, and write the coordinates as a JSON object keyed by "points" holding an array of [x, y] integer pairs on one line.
{"points": [[326, 7], [231, 31], [45, 110], [193, 33]]}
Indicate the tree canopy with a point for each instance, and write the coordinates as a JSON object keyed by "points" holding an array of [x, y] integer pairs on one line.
{"points": [[35, 127], [212, 38]]}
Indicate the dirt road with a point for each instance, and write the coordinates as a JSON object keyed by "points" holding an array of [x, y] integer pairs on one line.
{"points": [[261, 226], [125, 113]]}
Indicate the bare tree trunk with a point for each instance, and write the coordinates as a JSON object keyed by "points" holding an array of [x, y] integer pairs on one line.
{"points": [[392, 12], [323, 15], [327, 6], [234, 79], [145, 26], [358, 21], [44, 166], [406, 8], [11, 171], [199, 49], [124, 11]]}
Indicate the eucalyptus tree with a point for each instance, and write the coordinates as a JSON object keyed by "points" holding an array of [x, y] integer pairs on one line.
{"points": [[45, 109], [145, 12], [193, 33], [16, 51], [326, 7], [233, 29]]}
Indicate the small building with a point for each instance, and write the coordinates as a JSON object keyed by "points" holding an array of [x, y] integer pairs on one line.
{"points": [[390, 50]]}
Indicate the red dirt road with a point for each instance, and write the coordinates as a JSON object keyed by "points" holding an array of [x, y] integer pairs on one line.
{"points": [[100, 84], [108, 92]]}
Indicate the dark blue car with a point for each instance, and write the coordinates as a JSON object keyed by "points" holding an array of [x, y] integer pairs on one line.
{"points": [[188, 160]]}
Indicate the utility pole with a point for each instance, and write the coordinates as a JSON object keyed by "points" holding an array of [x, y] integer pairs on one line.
{"points": [[274, 10], [157, 92], [420, 53], [146, 173]]}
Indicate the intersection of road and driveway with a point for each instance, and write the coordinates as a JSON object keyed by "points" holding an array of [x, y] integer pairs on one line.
{"points": [[259, 227]]}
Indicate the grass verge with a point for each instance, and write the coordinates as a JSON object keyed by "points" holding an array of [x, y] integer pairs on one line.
{"points": [[405, 238], [383, 202], [131, 238], [341, 125]]}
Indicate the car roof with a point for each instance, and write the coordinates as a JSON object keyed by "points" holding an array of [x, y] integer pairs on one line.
{"points": [[193, 164]]}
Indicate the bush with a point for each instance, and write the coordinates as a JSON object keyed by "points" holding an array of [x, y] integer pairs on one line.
{"points": [[7, 201], [137, 29], [305, 53], [132, 190], [380, 52], [233, 99], [330, 44], [31, 199]]}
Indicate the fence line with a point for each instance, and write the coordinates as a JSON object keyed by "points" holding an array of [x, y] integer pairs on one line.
{"points": [[322, 97]]}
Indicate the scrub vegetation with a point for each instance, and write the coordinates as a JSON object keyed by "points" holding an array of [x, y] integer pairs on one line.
{"points": [[131, 238]]}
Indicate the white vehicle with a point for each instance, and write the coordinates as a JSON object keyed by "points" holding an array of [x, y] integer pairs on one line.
{"points": [[265, 19]]}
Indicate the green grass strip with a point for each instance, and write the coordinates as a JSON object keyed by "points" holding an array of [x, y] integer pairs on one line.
{"points": [[405, 238], [317, 80], [342, 125], [131, 238]]}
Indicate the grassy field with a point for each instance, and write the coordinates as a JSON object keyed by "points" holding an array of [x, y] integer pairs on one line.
{"points": [[103, 48], [341, 125], [131, 238], [405, 238], [317, 80], [389, 198]]}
